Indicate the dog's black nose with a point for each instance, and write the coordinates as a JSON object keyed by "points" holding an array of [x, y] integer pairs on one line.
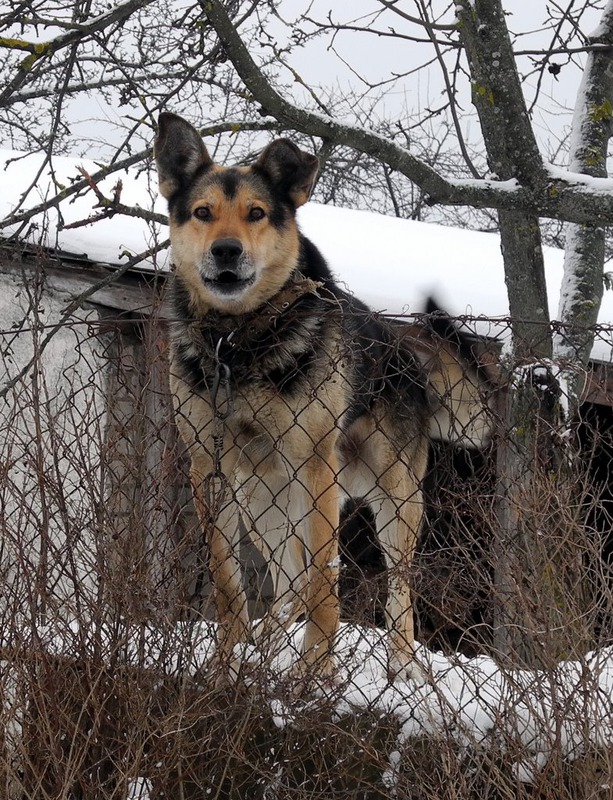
{"points": [[226, 252]]}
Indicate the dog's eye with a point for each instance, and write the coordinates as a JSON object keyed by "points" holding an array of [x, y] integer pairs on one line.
{"points": [[256, 214], [203, 213]]}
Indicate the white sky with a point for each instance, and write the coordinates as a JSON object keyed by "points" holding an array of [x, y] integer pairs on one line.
{"points": [[321, 64]]}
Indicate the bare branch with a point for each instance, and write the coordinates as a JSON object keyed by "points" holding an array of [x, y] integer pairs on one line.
{"points": [[561, 197], [116, 15]]}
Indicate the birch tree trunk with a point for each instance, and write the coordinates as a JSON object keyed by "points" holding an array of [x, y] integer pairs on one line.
{"points": [[583, 281]]}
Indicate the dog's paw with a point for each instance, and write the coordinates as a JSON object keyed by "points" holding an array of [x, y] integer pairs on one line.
{"points": [[307, 675], [407, 670]]}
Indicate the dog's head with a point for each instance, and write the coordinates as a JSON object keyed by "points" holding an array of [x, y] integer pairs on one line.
{"points": [[233, 229]]}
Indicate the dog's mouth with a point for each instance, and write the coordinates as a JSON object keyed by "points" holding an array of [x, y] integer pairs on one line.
{"points": [[229, 283]]}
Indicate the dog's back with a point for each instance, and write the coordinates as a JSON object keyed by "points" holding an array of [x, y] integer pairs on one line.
{"points": [[460, 382]]}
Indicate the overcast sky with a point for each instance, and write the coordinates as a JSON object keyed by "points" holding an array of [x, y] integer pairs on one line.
{"points": [[328, 65], [376, 58]]}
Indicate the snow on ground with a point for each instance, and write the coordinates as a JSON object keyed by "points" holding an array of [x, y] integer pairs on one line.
{"points": [[474, 701], [139, 789], [392, 264]]}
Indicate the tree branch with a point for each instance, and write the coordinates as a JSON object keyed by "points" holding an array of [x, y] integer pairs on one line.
{"points": [[79, 33], [550, 194]]}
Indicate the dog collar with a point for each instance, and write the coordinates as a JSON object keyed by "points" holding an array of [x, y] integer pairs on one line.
{"points": [[266, 316]]}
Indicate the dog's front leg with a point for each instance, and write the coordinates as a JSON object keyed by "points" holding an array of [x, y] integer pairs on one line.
{"points": [[219, 520], [322, 603]]}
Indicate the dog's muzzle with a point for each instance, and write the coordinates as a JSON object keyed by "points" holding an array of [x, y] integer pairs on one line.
{"points": [[229, 272]]}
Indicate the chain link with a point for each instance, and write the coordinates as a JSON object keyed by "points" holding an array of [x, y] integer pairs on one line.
{"points": [[220, 396]]}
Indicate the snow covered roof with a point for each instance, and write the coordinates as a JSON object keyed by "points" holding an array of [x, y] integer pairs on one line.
{"points": [[392, 264]]}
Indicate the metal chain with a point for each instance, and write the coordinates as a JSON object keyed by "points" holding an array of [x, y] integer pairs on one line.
{"points": [[215, 484], [220, 395]]}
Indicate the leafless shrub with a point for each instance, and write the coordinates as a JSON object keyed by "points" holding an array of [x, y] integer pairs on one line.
{"points": [[107, 680]]}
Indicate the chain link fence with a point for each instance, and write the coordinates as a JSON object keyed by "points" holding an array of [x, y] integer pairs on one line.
{"points": [[109, 680]]}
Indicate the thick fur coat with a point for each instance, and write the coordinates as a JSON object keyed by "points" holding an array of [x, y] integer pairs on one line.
{"points": [[291, 395]]}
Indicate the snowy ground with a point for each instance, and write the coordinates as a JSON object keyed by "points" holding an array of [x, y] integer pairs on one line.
{"points": [[473, 701]]}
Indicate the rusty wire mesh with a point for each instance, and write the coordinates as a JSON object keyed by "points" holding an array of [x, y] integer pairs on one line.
{"points": [[109, 683]]}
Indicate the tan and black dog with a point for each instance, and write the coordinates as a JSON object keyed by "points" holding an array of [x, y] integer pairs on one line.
{"points": [[291, 395]]}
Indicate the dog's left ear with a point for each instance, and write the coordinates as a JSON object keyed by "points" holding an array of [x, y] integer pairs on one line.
{"points": [[289, 168]]}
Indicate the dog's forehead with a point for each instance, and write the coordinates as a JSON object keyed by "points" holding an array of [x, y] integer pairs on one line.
{"points": [[229, 189], [231, 183]]}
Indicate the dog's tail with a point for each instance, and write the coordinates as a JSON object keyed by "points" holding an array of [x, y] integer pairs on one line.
{"points": [[459, 385]]}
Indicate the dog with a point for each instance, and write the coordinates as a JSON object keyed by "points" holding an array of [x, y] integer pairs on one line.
{"points": [[291, 395]]}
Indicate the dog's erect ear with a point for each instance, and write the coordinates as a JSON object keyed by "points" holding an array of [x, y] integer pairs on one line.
{"points": [[289, 168], [179, 153]]}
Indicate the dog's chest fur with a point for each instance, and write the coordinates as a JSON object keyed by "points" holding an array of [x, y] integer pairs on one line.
{"points": [[272, 350], [268, 373]]}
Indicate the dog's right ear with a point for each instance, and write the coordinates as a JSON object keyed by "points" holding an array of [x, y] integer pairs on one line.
{"points": [[179, 153]]}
